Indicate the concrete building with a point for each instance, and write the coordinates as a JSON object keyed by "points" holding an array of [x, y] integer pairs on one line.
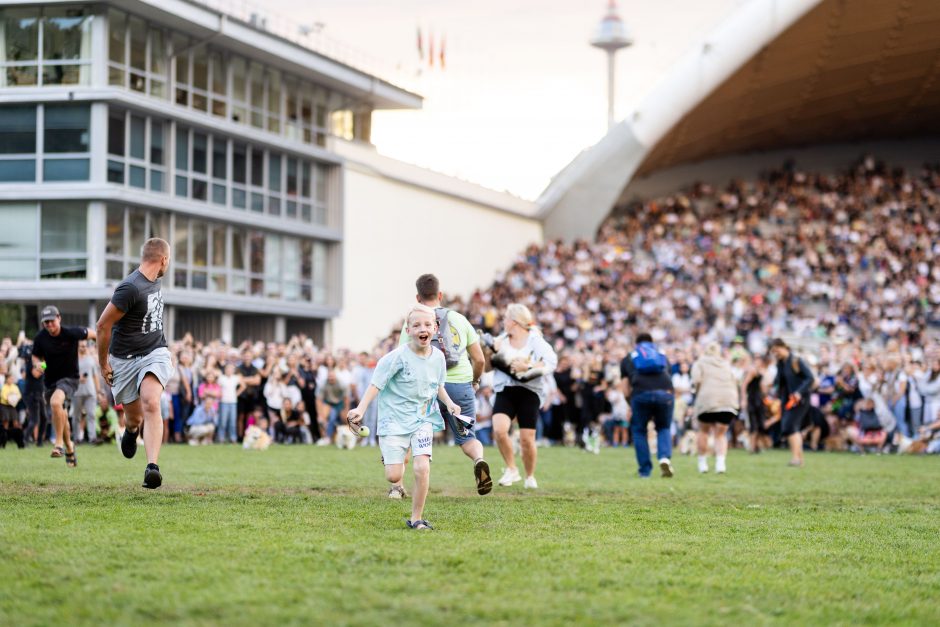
{"points": [[247, 151]]}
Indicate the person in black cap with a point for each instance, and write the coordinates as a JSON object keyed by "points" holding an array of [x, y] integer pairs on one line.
{"points": [[794, 384], [55, 350]]}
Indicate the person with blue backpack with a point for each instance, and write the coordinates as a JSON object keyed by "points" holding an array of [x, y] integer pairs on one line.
{"points": [[648, 385]]}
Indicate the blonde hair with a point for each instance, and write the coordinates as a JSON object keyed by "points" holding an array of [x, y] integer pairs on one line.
{"points": [[520, 314], [713, 350], [419, 308]]}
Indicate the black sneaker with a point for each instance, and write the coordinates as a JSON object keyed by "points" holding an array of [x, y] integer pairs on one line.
{"points": [[152, 477], [481, 470], [129, 444]]}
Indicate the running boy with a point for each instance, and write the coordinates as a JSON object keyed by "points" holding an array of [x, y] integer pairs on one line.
{"points": [[408, 382]]}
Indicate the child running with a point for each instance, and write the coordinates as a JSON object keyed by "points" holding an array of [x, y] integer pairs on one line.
{"points": [[408, 382]]}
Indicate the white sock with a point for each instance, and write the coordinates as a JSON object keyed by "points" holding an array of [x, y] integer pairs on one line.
{"points": [[703, 462], [719, 462]]}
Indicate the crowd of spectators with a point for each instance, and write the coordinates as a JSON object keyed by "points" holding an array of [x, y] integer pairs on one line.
{"points": [[847, 266]]}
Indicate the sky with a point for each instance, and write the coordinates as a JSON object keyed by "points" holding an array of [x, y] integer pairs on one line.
{"points": [[522, 93]]}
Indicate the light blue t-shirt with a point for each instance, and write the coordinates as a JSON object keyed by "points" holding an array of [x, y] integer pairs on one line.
{"points": [[408, 385]]}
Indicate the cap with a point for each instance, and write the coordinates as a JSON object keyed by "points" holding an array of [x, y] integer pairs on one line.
{"points": [[49, 313]]}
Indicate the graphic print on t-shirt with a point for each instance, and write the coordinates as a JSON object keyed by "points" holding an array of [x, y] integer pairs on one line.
{"points": [[153, 321]]}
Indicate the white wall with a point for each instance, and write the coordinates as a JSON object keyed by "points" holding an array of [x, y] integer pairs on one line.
{"points": [[401, 221]]}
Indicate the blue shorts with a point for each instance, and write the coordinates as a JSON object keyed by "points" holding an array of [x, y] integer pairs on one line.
{"points": [[463, 395]]}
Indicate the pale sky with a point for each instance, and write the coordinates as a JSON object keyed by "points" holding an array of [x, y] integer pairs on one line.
{"points": [[523, 92]]}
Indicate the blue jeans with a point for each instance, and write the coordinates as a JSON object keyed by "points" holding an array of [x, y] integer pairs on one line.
{"points": [[463, 395], [228, 412], [336, 419], [899, 409], [485, 435], [658, 406]]}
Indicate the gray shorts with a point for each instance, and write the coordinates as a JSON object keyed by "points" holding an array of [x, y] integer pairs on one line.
{"points": [[128, 374]]}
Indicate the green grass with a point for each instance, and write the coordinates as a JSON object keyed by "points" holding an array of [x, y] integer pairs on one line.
{"points": [[305, 535]]}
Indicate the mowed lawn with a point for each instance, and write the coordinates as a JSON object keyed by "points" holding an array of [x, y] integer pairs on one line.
{"points": [[306, 535]]}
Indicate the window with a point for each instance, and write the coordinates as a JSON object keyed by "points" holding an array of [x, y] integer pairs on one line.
{"points": [[48, 46], [18, 242], [46, 241], [17, 143], [219, 170], [192, 165], [136, 150], [63, 153], [274, 183], [63, 246], [137, 54], [66, 130], [127, 229]]}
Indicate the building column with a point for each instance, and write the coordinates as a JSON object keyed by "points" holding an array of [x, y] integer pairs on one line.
{"points": [[280, 329], [97, 224], [169, 323], [92, 314], [228, 327]]}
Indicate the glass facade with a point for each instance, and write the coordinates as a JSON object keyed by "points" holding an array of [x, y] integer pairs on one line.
{"points": [[146, 58], [213, 168], [45, 46], [220, 258], [44, 143], [43, 241], [153, 152]]}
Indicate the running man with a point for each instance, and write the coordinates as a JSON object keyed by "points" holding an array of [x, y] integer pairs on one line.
{"points": [[465, 356], [407, 381], [139, 365], [57, 346]]}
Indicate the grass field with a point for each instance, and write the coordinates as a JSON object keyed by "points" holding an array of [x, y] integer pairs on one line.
{"points": [[305, 535]]}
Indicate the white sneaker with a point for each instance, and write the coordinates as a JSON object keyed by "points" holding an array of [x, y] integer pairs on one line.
{"points": [[531, 483], [703, 466], [720, 467], [396, 492], [510, 476], [665, 466]]}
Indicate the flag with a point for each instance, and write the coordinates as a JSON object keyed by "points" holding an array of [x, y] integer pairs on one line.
{"points": [[420, 45], [443, 46]]}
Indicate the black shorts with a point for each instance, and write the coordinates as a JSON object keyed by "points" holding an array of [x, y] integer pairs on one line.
{"points": [[69, 386], [519, 403], [717, 417]]}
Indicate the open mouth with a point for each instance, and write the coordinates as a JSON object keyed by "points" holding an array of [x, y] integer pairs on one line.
{"points": [[424, 337]]}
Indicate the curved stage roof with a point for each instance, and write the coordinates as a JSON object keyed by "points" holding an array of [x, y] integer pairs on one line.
{"points": [[776, 74]]}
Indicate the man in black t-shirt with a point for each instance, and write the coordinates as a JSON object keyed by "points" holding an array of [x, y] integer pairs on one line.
{"points": [[648, 384], [139, 364], [55, 350]]}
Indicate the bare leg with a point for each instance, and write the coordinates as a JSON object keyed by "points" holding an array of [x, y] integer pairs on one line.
{"points": [[704, 428], [472, 449], [501, 424], [422, 470], [60, 421], [721, 440], [150, 391], [529, 452], [394, 472], [796, 448]]}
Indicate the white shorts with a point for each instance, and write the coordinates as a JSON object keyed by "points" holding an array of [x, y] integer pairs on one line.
{"points": [[395, 447]]}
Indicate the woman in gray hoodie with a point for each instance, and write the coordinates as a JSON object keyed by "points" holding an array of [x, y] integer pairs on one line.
{"points": [[717, 401]]}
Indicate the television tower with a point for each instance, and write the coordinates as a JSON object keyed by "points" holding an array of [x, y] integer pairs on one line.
{"points": [[611, 35]]}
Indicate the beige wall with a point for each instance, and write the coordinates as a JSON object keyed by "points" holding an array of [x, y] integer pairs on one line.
{"points": [[400, 222]]}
